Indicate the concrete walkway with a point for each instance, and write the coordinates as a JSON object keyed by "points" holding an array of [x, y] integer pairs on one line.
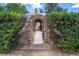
{"points": [[38, 38]]}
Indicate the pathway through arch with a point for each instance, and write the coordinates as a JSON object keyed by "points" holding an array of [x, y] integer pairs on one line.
{"points": [[38, 38]]}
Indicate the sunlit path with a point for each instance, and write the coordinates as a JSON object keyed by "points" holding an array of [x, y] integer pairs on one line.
{"points": [[38, 38]]}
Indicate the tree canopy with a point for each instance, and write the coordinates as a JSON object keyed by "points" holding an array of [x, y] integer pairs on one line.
{"points": [[14, 7], [2, 8], [53, 7], [20, 8]]}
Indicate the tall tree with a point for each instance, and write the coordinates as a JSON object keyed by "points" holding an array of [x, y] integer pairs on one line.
{"points": [[53, 7], [20, 8], [2, 8]]}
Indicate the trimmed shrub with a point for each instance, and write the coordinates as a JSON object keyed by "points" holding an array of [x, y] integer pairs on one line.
{"points": [[10, 22], [68, 24]]}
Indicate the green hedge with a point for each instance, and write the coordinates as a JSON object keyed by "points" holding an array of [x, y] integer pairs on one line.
{"points": [[10, 22], [68, 24]]}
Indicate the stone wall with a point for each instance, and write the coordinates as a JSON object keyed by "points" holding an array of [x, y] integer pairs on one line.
{"points": [[27, 36], [45, 27]]}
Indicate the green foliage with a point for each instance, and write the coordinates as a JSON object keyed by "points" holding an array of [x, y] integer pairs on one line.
{"points": [[68, 24], [19, 8], [2, 8], [10, 22], [53, 7]]}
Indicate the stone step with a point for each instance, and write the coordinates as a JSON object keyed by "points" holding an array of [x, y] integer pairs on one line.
{"points": [[35, 47]]}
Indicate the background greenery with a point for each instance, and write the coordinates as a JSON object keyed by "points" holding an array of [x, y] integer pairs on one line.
{"points": [[53, 7], [68, 24], [10, 22]]}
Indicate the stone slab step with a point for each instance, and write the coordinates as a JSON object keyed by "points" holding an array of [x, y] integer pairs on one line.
{"points": [[35, 47]]}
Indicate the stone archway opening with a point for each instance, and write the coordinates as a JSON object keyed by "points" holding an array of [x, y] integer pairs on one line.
{"points": [[38, 25], [42, 40], [38, 33]]}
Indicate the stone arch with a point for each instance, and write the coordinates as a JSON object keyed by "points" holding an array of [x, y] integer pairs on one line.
{"points": [[45, 27], [27, 37]]}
